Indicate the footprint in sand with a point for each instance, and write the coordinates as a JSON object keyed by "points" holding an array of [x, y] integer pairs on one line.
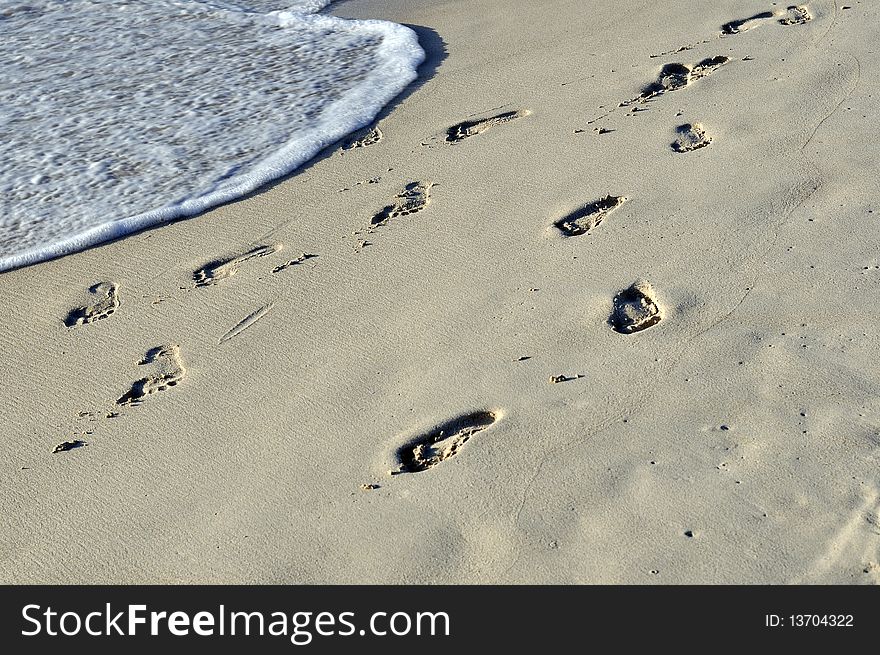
{"points": [[677, 76], [369, 139], [466, 129], [635, 309], [69, 445], [414, 198], [221, 269], [744, 24], [444, 441], [793, 15], [106, 304], [585, 218], [672, 77], [691, 136], [707, 66], [169, 371]]}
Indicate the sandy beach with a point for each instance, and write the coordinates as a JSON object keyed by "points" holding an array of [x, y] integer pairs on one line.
{"points": [[591, 302]]}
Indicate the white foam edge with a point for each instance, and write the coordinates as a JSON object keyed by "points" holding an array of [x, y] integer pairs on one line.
{"points": [[399, 54], [304, 6]]}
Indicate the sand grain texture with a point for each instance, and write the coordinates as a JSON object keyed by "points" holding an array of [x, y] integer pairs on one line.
{"points": [[734, 441]]}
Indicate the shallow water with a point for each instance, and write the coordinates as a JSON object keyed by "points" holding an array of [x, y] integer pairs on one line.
{"points": [[116, 115]]}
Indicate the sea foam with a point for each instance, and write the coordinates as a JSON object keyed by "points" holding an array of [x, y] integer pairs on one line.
{"points": [[120, 114], [302, 6]]}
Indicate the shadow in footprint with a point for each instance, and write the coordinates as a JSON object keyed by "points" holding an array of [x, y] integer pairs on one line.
{"points": [[427, 450], [69, 445], [737, 26]]}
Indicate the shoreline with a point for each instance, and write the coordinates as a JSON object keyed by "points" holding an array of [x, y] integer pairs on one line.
{"points": [[357, 106]]}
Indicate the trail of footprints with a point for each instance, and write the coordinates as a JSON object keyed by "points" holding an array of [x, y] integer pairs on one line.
{"points": [[634, 309], [166, 367], [793, 15], [166, 371], [675, 76], [165, 364]]}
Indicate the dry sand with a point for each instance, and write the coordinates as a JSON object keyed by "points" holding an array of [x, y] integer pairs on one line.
{"points": [[734, 440]]}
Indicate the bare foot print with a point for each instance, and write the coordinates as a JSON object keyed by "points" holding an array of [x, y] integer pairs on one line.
{"points": [[673, 77], [221, 269], [691, 137], [635, 309], [169, 371], [744, 24], [558, 379], [428, 450], [361, 140], [585, 218], [104, 306], [795, 15], [414, 198], [467, 129], [707, 66]]}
